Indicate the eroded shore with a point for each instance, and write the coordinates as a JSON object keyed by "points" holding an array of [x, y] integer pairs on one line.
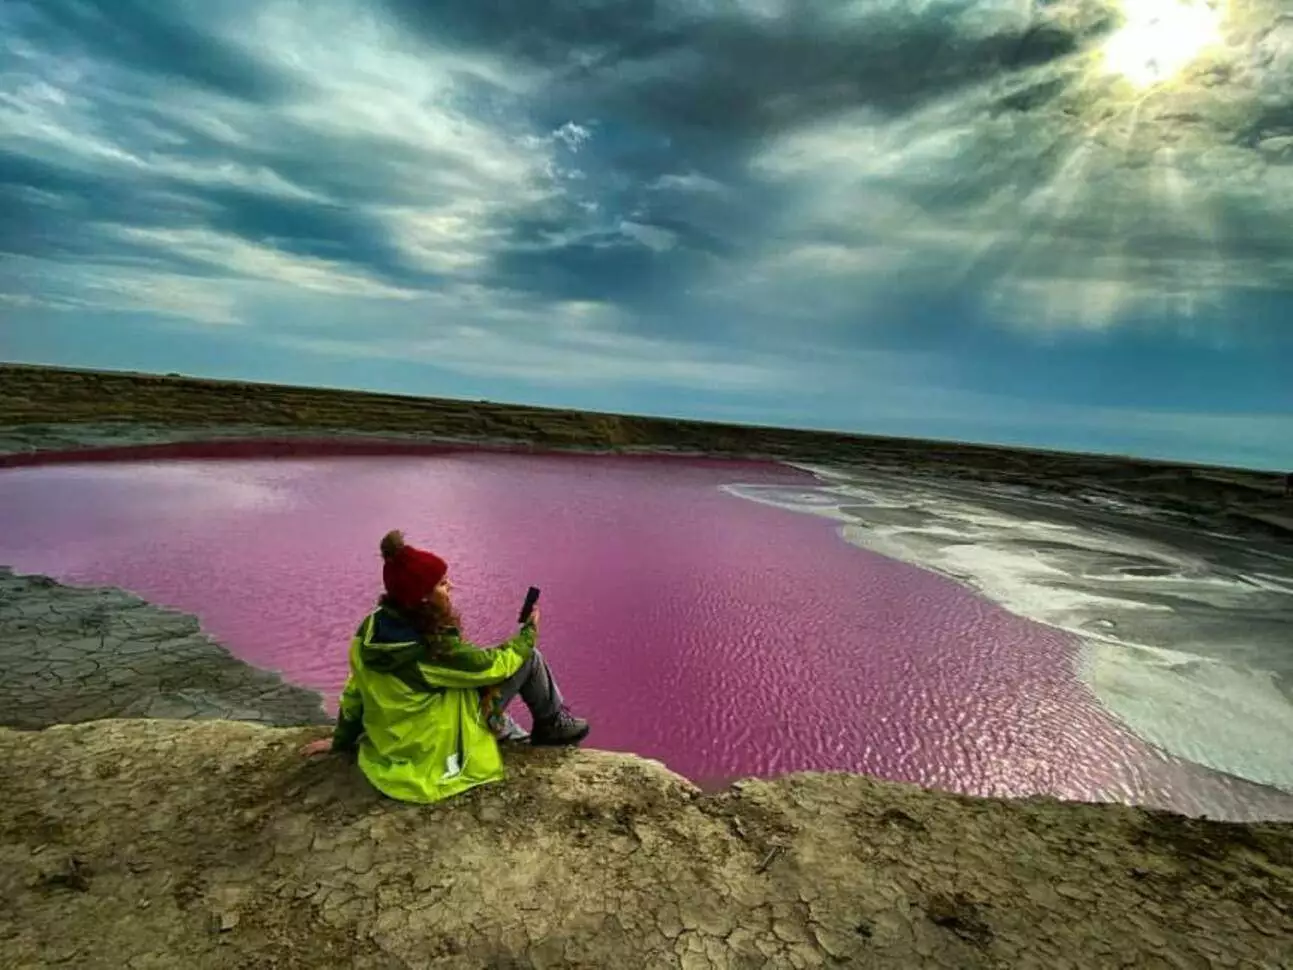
{"points": [[71, 654]]}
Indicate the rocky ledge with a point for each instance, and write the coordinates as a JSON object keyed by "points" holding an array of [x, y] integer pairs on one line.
{"points": [[154, 844]]}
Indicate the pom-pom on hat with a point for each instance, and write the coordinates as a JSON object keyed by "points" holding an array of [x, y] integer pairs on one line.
{"points": [[409, 574]]}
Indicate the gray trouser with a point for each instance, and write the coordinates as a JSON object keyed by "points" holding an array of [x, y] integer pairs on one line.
{"points": [[534, 684]]}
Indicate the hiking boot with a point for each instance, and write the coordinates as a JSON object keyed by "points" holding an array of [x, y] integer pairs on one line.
{"points": [[564, 728]]}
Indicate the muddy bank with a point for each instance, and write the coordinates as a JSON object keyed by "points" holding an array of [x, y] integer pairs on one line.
{"points": [[70, 654]]}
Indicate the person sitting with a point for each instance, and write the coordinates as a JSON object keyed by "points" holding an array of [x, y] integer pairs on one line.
{"points": [[424, 707]]}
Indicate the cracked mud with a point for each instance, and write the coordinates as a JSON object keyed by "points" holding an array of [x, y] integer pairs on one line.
{"points": [[128, 842]]}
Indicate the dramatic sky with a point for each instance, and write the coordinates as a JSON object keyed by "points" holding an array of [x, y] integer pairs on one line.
{"points": [[1066, 223]]}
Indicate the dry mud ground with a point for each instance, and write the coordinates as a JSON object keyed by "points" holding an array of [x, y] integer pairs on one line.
{"points": [[156, 844]]}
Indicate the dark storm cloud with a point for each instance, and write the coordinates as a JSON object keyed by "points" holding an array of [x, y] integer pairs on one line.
{"points": [[59, 212], [308, 228], [722, 76], [622, 232], [674, 91], [548, 32], [64, 214], [677, 88], [170, 41]]}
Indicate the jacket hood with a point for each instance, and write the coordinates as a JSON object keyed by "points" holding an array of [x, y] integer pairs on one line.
{"points": [[388, 642]]}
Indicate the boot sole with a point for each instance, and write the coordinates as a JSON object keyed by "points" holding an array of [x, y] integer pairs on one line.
{"points": [[559, 742]]}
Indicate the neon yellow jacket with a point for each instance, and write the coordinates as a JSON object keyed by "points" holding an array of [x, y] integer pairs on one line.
{"points": [[417, 718]]}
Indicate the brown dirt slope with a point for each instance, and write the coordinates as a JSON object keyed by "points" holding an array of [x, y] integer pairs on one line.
{"points": [[156, 844]]}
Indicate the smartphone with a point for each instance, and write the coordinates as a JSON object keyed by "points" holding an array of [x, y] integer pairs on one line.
{"points": [[531, 597]]}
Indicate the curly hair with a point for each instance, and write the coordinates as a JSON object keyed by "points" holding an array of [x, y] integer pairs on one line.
{"points": [[431, 618]]}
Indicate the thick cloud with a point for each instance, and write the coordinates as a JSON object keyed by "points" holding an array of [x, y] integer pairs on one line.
{"points": [[641, 177], [351, 161], [735, 71], [177, 42]]}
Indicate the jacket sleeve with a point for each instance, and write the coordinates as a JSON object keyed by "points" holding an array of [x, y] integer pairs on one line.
{"points": [[350, 714], [462, 664]]}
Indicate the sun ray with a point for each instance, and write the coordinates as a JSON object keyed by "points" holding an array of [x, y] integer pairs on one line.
{"points": [[1159, 38]]}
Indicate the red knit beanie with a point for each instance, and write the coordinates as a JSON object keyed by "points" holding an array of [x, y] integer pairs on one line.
{"points": [[409, 574]]}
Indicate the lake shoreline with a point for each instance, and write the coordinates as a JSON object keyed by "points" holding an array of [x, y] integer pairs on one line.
{"points": [[49, 408], [1163, 612], [75, 653]]}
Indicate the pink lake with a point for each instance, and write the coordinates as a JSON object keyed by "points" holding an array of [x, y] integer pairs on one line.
{"points": [[724, 637]]}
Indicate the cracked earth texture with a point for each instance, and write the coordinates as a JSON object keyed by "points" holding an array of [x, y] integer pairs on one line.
{"points": [[138, 843], [72, 654]]}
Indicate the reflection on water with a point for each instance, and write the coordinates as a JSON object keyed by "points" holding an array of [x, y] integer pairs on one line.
{"points": [[723, 636]]}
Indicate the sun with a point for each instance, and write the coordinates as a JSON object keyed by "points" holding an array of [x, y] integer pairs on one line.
{"points": [[1160, 37]]}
